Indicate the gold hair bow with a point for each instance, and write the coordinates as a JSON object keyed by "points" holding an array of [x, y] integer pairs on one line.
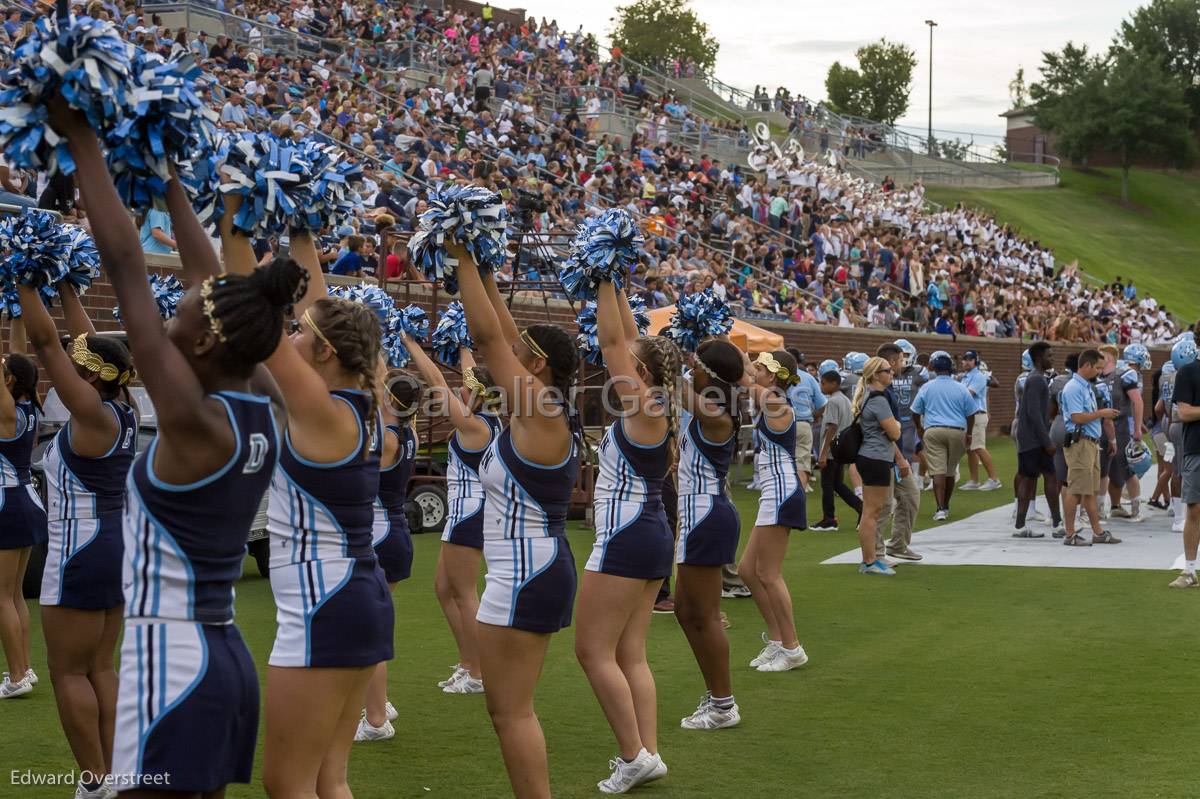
{"points": [[773, 366]]}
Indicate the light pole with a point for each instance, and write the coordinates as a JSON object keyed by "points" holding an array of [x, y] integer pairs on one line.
{"points": [[929, 143]]}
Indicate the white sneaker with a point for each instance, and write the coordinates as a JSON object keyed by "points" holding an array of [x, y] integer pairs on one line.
{"points": [[710, 717], [970, 485], [367, 732], [991, 485], [785, 660], [10, 689], [768, 652], [660, 768], [626, 776], [1136, 518], [389, 710], [1177, 525], [31, 676], [465, 684], [1037, 516], [102, 792], [941, 515], [458, 670]]}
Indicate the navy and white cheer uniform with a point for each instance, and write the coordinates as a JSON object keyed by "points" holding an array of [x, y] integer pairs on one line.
{"points": [[464, 521], [332, 604], [187, 710], [530, 570], [633, 538], [85, 498], [390, 534], [22, 517], [781, 498], [709, 525]]}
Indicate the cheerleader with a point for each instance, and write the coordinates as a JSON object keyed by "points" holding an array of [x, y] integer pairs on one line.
{"points": [[22, 518], [781, 509], [390, 535], [528, 475], [85, 468], [708, 523], [333, 610], [472, 414], [634, 544], [187, 707]]}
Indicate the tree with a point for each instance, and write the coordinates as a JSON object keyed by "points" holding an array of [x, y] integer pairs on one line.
{"points": [[879, 88], [1068, 100], [1145, 114], [1170, 31], [1018, 94], [655, 31]]}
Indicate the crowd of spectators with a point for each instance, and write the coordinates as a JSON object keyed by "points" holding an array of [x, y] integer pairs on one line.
{"points": [[804, 240]]}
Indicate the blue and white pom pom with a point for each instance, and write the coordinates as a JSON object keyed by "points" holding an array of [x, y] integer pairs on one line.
{"points": [[451, 335], [604, 250], [167, 292], [641, 315], [167, 123], [83, 260], [86, 62], [274, 178], [334, 175], [201, 180], [10, 302], [373, 297], [469, 215], [413, 322], [697, 317], [589, 345], [38, 252]]}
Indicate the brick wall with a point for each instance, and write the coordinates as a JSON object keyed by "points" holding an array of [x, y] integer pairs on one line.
{"points": [[817, 342]]}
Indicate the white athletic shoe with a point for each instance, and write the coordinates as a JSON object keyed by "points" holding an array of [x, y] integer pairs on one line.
{"points": [[970, 485], [102, 792], [991, 485], [458, 670], [465, 684], [710, 717], [1177, 524], [31, 676], [626, 776], [941, 515], [1037, 516], [768, 652], [785, 660], [1136, 518], [660, 768], [10, 689], [367, 732], [389, 710]]}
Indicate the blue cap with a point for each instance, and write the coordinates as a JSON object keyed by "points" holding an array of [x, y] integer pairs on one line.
{"points": [[941, 362], [971, 355], [828, 366]]}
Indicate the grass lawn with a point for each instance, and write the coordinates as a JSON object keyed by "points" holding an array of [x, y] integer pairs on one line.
{"points": [[940, 682], [1154, 240]]}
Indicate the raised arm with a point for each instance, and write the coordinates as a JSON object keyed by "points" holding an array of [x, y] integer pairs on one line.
{"points": [[473, 432], [507, 326], [235, 247], [303, 251], [8, 405], [76, 317], [196, 252], [94, 427], [18, 342], [628, 324], [184, 418]]}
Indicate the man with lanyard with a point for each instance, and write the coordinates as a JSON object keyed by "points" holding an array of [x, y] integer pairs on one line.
{"points": [[944, 412], [978, 382], [1082, 417], [1125, 384], [1035, 448], [906, 494], [807, 404], [1058, 428], [1187, 400]]}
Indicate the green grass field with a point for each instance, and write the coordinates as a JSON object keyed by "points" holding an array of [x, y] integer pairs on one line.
{"points": [[1154, 240], [940, 682]]}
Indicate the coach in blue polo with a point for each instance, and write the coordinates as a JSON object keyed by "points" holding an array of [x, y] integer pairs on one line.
{"points": [[944, 412], [1082, 418], [807, 402]]}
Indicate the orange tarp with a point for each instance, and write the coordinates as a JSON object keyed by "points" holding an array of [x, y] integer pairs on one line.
{"points": [[745, 335]]}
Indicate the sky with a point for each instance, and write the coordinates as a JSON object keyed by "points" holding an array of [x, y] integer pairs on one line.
{"points": [[977, 46]]}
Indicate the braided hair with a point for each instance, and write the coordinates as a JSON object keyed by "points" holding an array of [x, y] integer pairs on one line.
{"points": [[402, 393], [563, 359], [25, 378], [251, 309], [113, 351], [662, 359], [354, 332]]}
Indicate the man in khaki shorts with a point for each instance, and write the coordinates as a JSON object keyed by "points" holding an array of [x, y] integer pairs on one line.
{"points": [[944, 412], [978, 382], [1082, 418]]}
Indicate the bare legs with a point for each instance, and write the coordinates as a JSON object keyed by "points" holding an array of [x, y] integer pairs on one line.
{"points": [[698, 610], [456, 584], [14, 613], [762, 569], [874, 498], [612, 617], [376, 699]]}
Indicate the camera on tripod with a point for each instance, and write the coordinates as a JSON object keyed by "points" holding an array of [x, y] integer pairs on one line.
{"points": [[530, 202]]}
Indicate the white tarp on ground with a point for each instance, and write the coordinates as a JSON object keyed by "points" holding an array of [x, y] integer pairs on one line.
{"points": [[985, 539]]}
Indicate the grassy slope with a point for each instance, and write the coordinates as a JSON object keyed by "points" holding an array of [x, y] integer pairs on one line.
{"points": [[1155, 240], [942, 682]]}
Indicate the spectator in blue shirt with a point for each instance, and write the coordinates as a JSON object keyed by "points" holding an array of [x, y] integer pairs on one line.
{"points": [[978, 382], [350, 263], [808, 402], [944, 412], [157, 236], [1082, 418]]}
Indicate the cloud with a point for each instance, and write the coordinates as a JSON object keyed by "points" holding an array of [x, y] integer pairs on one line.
{"points": [[824, 46]]}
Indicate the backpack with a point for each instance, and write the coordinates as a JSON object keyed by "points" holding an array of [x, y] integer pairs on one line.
{"points": [[848, 442]]}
